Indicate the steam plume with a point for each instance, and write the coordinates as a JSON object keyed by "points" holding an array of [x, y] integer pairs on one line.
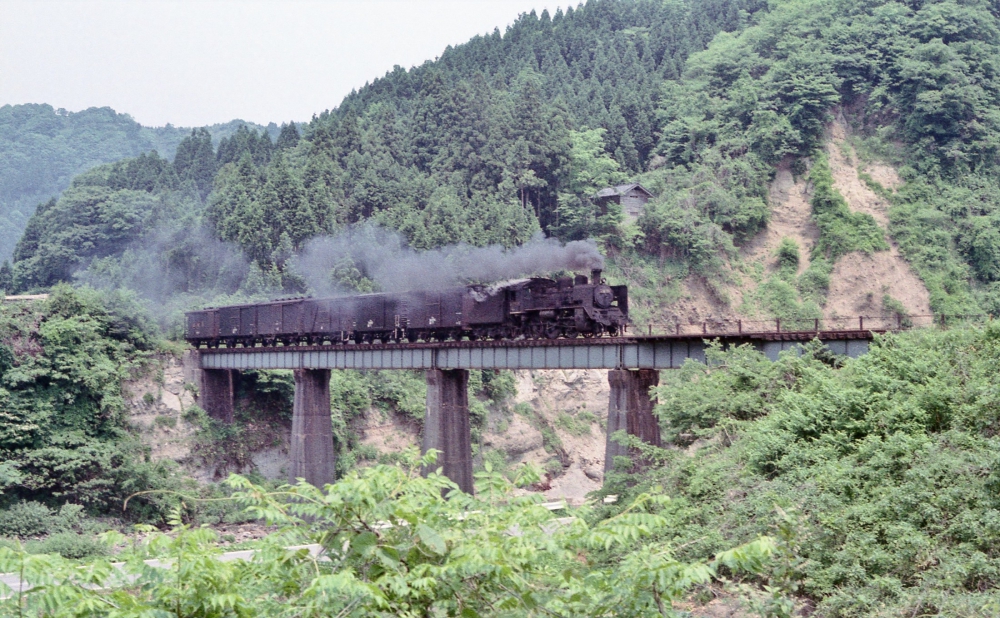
{"points": [[385, 258]]}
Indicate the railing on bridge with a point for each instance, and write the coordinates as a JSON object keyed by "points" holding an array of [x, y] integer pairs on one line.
{"points": [[863, 323]]}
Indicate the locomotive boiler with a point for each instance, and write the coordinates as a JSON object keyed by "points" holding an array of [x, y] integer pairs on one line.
{"points": [[525, 308]]}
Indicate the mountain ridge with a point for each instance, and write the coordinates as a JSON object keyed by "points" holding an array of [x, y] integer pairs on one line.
{"points": [[42, 149]]}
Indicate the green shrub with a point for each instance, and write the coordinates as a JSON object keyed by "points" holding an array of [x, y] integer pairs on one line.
{"points": [[497, 459], [550, 440], [573, 425], [553, 467], [840, 230], [195, 415], [162, 420], [788, 255], [499, 385], [366, 452], [26, 518], [70, 545], [70, 516], [875, 186], [892, 306], [524, 409], [814, 283]]}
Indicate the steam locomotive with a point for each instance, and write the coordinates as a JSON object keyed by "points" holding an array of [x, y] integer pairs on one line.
{"points": [[525, 308]]}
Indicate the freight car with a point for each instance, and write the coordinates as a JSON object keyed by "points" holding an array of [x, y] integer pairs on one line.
{"points": [[526, 308]]}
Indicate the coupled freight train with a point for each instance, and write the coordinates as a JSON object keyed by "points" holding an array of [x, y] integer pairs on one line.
{"points": [[530, 308]]}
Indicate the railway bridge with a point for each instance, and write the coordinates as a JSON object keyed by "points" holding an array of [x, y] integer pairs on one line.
{"points": [[633, 364]]}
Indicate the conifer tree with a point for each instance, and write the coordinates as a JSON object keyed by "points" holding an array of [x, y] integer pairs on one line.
{"points": [[195, 161], [288, 138], [6, 278]]}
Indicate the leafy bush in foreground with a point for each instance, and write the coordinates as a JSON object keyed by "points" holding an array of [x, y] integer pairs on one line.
{"points": [[393, 546]]}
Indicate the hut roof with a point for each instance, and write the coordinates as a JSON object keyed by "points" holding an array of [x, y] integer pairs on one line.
{"points": [[622, 189]]}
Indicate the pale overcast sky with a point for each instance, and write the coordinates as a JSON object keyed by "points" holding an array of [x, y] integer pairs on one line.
{"points": [[198, 62]]}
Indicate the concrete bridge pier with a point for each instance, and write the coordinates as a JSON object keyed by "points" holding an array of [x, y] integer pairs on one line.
{"points": [[630, 407], [312, 457], [216, 393], [446, 425]]}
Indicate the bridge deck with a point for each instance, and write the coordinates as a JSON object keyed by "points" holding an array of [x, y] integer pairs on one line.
{"points": [[637, 352]]}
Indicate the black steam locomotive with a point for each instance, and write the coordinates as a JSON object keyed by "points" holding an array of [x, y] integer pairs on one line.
{"points": [[526, 308]]}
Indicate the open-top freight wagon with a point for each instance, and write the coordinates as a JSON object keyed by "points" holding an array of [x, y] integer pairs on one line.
{"points": [[530, 308]]}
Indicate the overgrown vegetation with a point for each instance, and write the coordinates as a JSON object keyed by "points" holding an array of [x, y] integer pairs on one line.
{"points": [[886, 466], [65, 436], [395, 547], [840, 230], [875, 476]]}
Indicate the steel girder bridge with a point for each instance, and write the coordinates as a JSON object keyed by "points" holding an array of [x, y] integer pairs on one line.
{"points": [[633, 364]]}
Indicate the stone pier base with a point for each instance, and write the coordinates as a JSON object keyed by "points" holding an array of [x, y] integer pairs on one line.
{"points": [[446, 424], [312, 457], [630, 407], [216, 393]]}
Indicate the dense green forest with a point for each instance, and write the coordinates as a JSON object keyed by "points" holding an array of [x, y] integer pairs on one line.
{"points": [[501, 137], [511, 133], [65, 436], [42, 149]]}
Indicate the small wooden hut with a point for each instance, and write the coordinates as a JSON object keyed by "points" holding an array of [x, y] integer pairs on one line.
{"points": [[631, 197]]}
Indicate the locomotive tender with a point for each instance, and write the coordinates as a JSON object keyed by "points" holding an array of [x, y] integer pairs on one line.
{"points": [[529, 308]]}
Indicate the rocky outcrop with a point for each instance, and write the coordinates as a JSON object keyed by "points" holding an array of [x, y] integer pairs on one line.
{"points": [[157, 402]]}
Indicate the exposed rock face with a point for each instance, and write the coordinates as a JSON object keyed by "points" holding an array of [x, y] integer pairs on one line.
{"points": [[859, 281], [157, 403], [791, 217], [571, 405]]}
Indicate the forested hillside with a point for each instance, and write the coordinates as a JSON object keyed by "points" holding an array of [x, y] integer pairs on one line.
{"points": [[512, 133], [42, 149], [501, 137]]}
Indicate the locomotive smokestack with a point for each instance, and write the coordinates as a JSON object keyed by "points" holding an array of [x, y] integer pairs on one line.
{"points": [[595, 276]]}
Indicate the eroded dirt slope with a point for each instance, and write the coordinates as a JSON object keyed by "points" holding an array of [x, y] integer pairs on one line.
{"points": [[157, 403], [859, 282], [791, 217]]}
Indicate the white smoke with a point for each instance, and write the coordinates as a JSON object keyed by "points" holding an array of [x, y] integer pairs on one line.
{"points": [[385, 258]]}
